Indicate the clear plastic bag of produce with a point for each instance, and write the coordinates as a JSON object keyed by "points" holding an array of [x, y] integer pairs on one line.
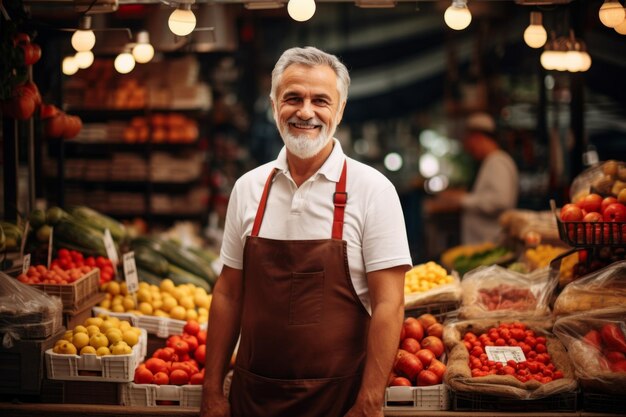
{"points": [[596, 342], [607, 179], [494, 291], [604, 287], [26, 312], [532, 374], [437, 286]]}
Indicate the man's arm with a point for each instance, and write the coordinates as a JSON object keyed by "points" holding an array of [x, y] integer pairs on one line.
{"points": [[387, 298], [222, 334]]}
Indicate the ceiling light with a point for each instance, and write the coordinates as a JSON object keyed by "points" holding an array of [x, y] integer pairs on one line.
{"points": [[535, 34], [142, 51], [621, 28], [611, 13], [83, 38], [458, 16], [301, 10], [69, 65], [124, 62], [182, 21], [84, 59]]}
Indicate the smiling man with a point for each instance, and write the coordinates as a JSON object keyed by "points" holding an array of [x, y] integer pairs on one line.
{"points": [[314, 253]]}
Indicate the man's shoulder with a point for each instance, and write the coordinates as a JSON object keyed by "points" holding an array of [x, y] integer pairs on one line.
{"points": [[360, 172], [256, 175]]}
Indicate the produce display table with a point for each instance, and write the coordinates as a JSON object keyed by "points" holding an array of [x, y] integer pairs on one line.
{"points": [[69, 410]]}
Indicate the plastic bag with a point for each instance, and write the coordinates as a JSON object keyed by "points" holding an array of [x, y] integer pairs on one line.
{"points": [[595, 349], [459, 375], [607, 179], [26, 312], [494, 291], [605, 287]]}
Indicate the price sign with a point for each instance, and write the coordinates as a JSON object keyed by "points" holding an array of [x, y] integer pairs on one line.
{"points": [[25, 263], [109, 246], [130, 272], [505, 353]]}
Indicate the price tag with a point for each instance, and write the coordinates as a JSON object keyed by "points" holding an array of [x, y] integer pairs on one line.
{"points": [[130, 272], [109, 246], [50, 247], [25, 263], [24, 239], [505, 353]]}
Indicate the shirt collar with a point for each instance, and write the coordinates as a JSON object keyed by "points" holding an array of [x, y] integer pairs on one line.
{"points": [[331, 168]]}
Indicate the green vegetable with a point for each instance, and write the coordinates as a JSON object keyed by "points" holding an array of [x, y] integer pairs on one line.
{"points": [[99, 221]]}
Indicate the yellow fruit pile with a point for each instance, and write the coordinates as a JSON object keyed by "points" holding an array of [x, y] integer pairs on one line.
{"points": [[102, 335], [542, 255], [182, 302], [425, 277]]}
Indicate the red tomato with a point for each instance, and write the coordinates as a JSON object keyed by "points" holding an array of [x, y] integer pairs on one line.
{"points": [[607, 202], [156, 365], [192, 327], [196, 379], [410, 345], [413, 328], [615, 212], [590, 202], [425, 356], [200, 354], [143, 375], [438, 368], [400, 381], [32, 53], [191, 340], [571, 213], [427, 378], [161, 378], [433, 343], [407, 364]]}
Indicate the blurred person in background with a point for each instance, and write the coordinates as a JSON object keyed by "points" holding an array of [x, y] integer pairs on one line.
{"points": [[494, 191], [314, 251]]}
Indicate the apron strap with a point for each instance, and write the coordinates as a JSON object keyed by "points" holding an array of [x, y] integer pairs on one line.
{"points": [[340, 198], [260, 212]]}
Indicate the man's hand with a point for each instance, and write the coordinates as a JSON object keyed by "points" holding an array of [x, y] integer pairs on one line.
{"points": [[216, 406]]}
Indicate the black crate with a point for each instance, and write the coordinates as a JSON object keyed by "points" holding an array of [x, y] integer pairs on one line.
{"points": [[603, 403], [472, 401]]}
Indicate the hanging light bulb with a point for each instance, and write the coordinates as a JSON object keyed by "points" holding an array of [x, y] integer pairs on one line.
{"points": [[535, 34], [611, 13], [69, 65], [124, 62], [301, 10], [586, 61], [84, 59], [458, 16], [182, 21], [83, 39], [621, 28], [143, 52]]}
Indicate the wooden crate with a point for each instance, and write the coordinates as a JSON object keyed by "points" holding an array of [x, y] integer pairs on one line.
{"points": [[75, 294]]}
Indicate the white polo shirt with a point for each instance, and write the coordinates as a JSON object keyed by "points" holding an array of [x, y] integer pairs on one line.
{"points": [[373, 222]]}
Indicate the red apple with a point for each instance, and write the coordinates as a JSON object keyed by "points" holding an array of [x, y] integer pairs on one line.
{"points": [[410, 345], [607, 202], [427, 320], [438, 368], [400, 381], [427, 378], [435, 330], [590, 202], [433, 344], [413, 328], [408, 365], [592, 217], [425, 356], [615, 212], [571, 213]]}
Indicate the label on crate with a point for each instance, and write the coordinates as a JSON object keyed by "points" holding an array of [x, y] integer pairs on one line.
{"points": [[50, 247], [505, 353], [130, 272], [25, 263], [109, 246]]}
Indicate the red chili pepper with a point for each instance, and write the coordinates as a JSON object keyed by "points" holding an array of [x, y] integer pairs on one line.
{"points": [[613, 337]]}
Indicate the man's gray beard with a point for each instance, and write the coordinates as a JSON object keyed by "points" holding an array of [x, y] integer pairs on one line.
{"points": [[303, 146]]}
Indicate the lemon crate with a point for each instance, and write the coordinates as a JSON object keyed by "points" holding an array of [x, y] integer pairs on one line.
{"points": [[162, 327], [89, 367], [410, 399], [151, 395], [74, 294]]}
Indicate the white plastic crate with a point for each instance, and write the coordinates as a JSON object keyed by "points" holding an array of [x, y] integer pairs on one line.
{"points": [[151, 395], [89, 367], [411, 399], [162, 327]]}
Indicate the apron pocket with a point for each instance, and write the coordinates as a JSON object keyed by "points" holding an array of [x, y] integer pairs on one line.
{"points": [[306, 297]]}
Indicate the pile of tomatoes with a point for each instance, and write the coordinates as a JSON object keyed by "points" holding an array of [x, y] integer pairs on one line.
{"points": [[68, 259], [41, 275], [537, 366]]}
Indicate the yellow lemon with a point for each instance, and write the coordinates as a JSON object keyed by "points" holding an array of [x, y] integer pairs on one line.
{"points": [[187, 302], [178, 313], [105, 304], [99, 340], [145, 308], [166, 285], [191, 314], [128, 303], [68, 335], [144, 284], [106, 325], [124, 325], [80, 340], [103, 351], [92, 329], [88, 349], [156, 304], [118, 308], [144, 295], [130, 337], [120, 348], [160, 313], [123, 288], [201, 300], [93, 321], [65, 348], [113, 288], [114, 335], [80, 329]]}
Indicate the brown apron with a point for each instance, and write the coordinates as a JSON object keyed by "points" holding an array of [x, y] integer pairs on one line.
{"points": [[303, 328]]}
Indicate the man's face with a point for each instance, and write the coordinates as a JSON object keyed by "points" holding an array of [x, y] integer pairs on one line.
{"points": [[307, 108], [474, 144]]}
